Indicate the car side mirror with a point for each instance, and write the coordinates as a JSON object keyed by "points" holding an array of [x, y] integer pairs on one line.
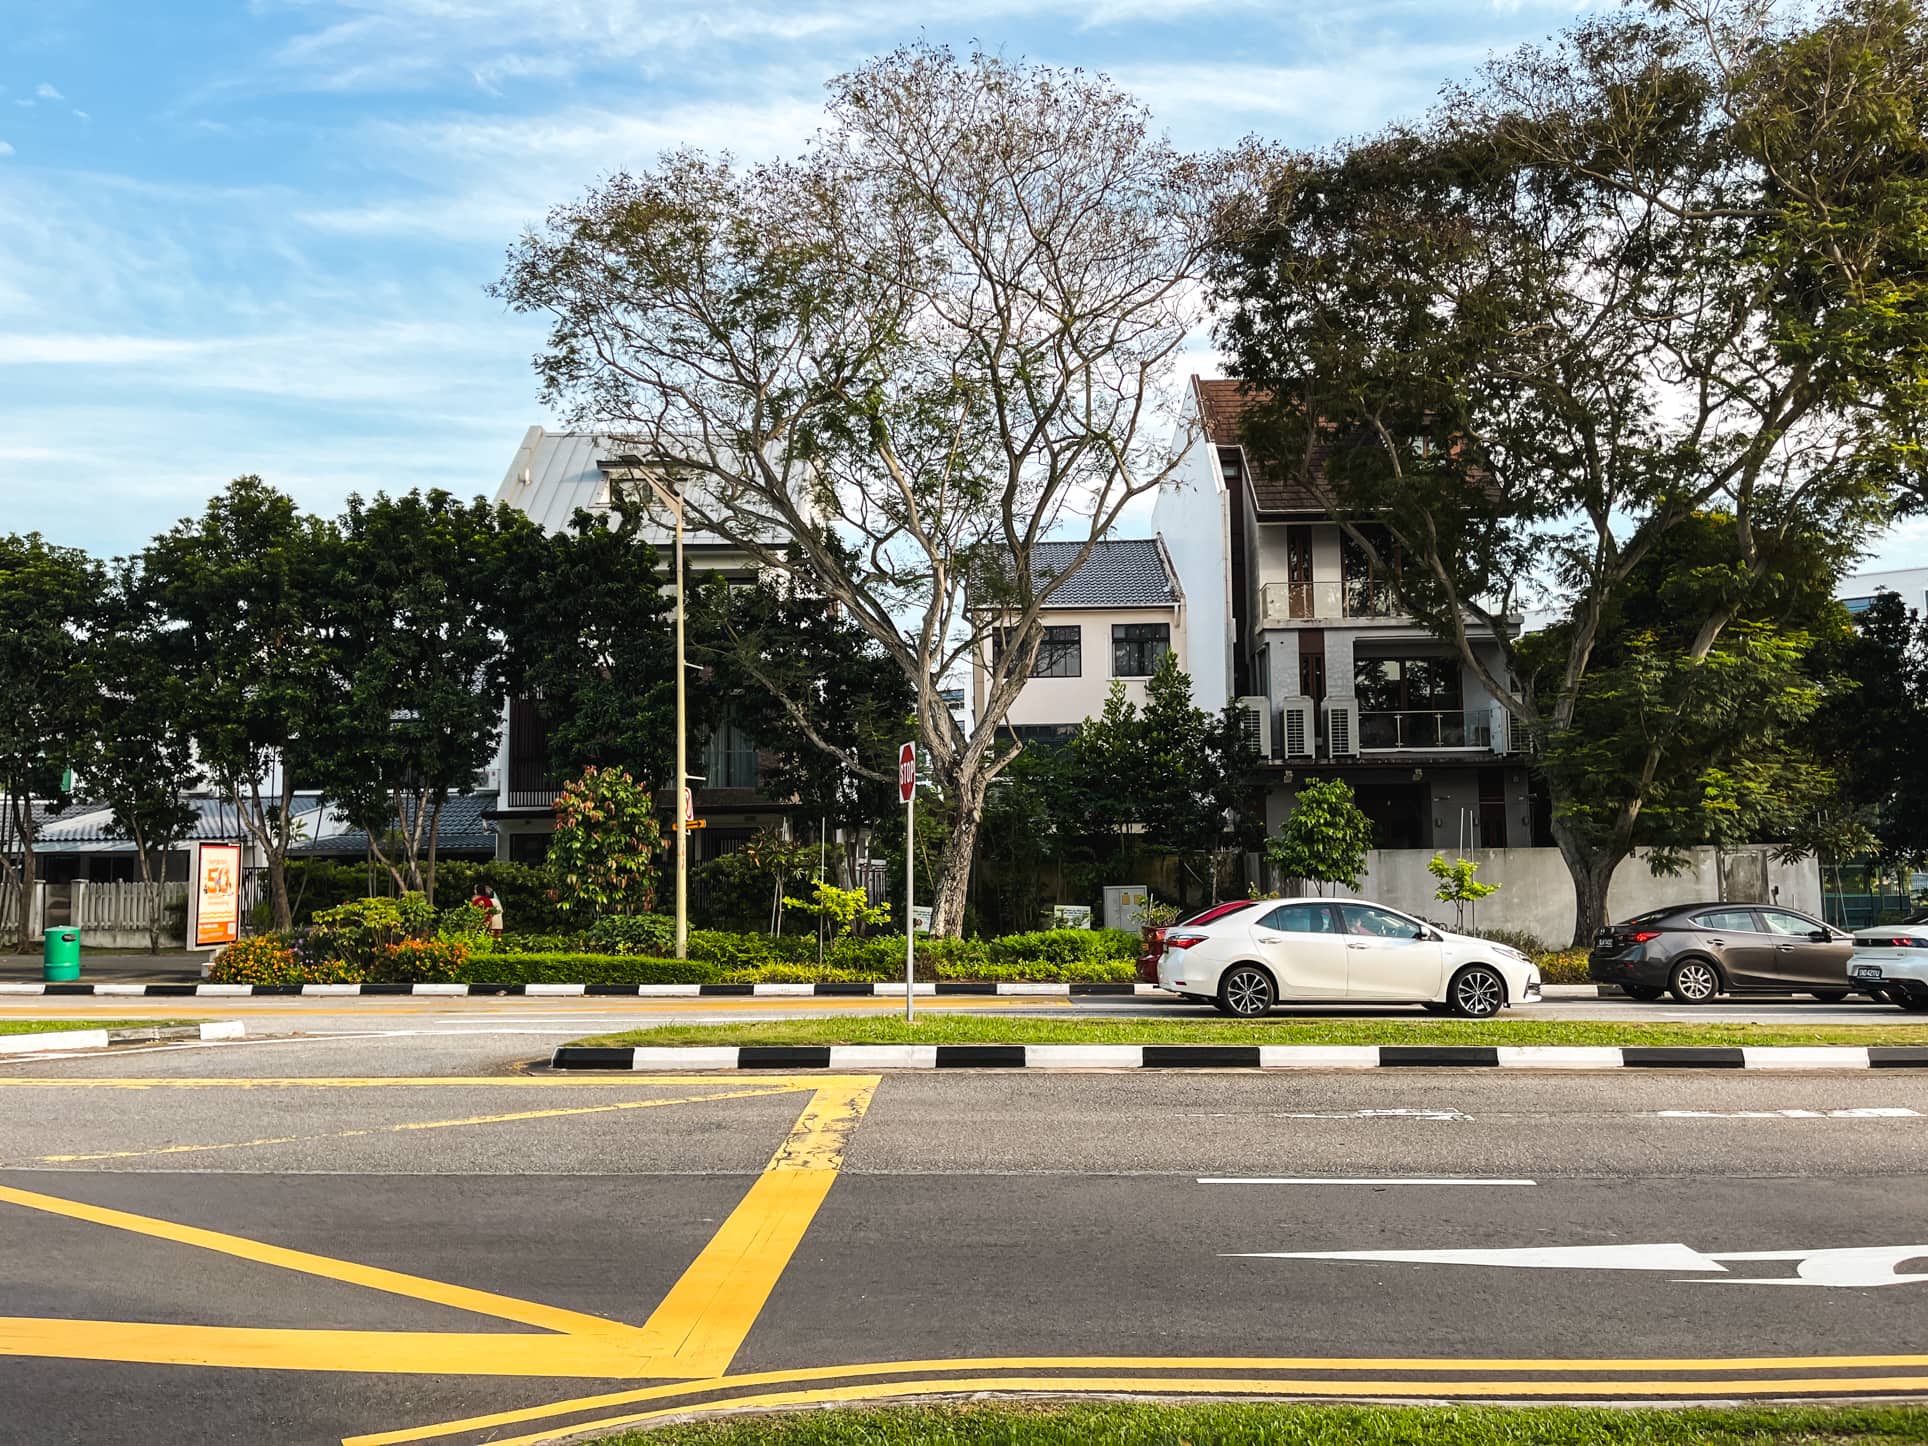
{"points": [[1820, 936]]}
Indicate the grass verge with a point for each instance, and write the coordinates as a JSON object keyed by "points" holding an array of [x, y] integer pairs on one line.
{"points": [[1153, 1424], [937, 1028], [53, 1026]]}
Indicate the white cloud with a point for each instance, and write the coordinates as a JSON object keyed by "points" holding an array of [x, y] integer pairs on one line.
{"points": [[82, 115], [47, 92], [5, 149]]}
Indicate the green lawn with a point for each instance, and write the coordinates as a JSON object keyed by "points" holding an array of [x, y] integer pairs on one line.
{"points": [[937, 1028], [1123, 1424], [49, 1026]]}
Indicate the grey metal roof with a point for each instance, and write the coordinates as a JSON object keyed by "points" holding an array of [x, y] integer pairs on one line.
{"points": [[554, 474], [461, 829], [1120, 573], [88, 828]]}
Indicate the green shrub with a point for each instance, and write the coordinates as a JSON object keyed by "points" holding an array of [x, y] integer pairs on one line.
{"points": [[278, 959], [421, 961], [526, 891], [793, 974], [360, 931], [1064, 946], [1040, 971], [653, 934], [466, 921]]}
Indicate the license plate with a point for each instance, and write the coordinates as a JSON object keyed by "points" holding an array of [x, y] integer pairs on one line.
{"points": [[1605, 941], [1867, 971]]}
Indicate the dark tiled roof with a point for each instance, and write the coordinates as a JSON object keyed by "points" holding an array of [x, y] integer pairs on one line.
{"points": [[1223, 405], [461, 829], [1118, 574]]}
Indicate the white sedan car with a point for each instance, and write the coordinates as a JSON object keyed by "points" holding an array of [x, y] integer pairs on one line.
{"points": [[1340, 951], [1892, 960]]}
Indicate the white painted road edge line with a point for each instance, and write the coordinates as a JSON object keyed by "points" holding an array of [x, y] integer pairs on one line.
{"points": [[1785, 1056], [1317, 1180]]}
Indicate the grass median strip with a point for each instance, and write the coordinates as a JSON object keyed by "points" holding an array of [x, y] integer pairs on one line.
{"points": [[1150, 1424], [1011, 1029], [54, 1026]]}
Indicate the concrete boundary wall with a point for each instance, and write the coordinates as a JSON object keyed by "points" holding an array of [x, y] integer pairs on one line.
{"points": [[1536, 894]]}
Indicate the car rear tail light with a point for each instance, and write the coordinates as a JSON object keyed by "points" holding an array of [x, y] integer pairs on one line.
{"points": [[1643, 936], [1903, 942], [1184, 941]]}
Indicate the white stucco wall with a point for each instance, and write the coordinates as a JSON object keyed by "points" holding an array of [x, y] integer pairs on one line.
{"points": [[1191, 517], [1536, 893], [1072, 700]]}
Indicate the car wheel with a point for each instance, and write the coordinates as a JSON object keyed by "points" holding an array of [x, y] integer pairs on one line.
{"points": [[1694, 981], [1477, 992], [1915, 1002], [1830, 996], [1645, 993], [1245, 992]]}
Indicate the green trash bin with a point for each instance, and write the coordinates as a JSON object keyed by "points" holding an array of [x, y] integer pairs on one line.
{"points": [[61, 959]]}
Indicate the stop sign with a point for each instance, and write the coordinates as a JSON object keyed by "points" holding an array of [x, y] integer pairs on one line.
{"points": [[906, 772]]}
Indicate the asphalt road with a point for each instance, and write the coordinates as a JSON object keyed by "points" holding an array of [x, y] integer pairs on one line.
{"points": [[291, 1241]]}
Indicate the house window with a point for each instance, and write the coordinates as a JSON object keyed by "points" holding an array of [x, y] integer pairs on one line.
{"points": [[1060, 651], [1367, 596], [729, 757], [1409, 703], [1136, 648]]}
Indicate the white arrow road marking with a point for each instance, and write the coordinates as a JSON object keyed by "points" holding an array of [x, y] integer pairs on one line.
{"points": [[1854, 1268], [1549, 1257]]}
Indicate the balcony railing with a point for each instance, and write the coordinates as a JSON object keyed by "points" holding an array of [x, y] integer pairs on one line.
{"points": [[1281, 603], [1418, 729]]}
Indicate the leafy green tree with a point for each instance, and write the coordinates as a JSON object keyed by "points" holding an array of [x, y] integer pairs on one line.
{"points": [[588, 638], [419, 666], [50, 610], [844, 910], [1871, 729], [606, 844], [825, 704], [245, 592], [140, 758], [937, 337], [1167, 778], [1326, 837], [1664, 268], [1458, 885]]}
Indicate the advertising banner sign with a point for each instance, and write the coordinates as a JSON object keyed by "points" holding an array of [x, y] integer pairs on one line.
{"points": [[216, 895]]}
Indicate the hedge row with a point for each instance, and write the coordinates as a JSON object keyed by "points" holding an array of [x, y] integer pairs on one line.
{"points": [[651, 936]]}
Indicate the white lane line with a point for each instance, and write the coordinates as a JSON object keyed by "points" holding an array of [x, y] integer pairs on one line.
{"points": [[1863, 1113], [1321, 1180]]}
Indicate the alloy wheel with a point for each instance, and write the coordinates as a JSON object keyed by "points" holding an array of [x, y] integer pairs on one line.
{"points": [[1246, 992], [1695, 982], [1478, 993]]}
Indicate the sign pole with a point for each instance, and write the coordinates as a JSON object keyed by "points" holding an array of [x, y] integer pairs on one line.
{"points": [[907, 790]]}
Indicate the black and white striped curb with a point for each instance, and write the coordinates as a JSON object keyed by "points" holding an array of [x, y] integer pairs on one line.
{"points": [[1233, 1056], [66, 1040], [867, 989]]}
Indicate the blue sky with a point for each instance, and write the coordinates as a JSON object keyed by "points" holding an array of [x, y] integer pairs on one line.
{"points": [[253, 236]]}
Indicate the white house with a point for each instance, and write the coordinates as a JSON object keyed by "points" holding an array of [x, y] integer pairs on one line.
{"points": [[1111, 620], [1339, 682], [1859, 589]]}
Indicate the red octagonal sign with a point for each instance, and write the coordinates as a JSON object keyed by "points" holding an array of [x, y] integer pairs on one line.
{"points": [[906, 772]]}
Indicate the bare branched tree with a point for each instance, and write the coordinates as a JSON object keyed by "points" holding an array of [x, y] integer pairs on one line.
{"points": [[893, 367]]}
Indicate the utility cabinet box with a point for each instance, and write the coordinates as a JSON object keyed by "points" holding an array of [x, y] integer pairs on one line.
{"points": [[1125, 905]]}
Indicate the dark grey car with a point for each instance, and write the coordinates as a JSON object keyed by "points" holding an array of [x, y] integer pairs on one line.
{"points": [[1695, 951]]}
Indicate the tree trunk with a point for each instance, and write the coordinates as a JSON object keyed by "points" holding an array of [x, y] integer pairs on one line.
{"points": [[147, 883], [954, 873], [1591, 868]]}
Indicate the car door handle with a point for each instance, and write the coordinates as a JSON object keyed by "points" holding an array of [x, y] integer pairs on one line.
{"points": [[1351, 944], [1271, 938], [1785, 948]]}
